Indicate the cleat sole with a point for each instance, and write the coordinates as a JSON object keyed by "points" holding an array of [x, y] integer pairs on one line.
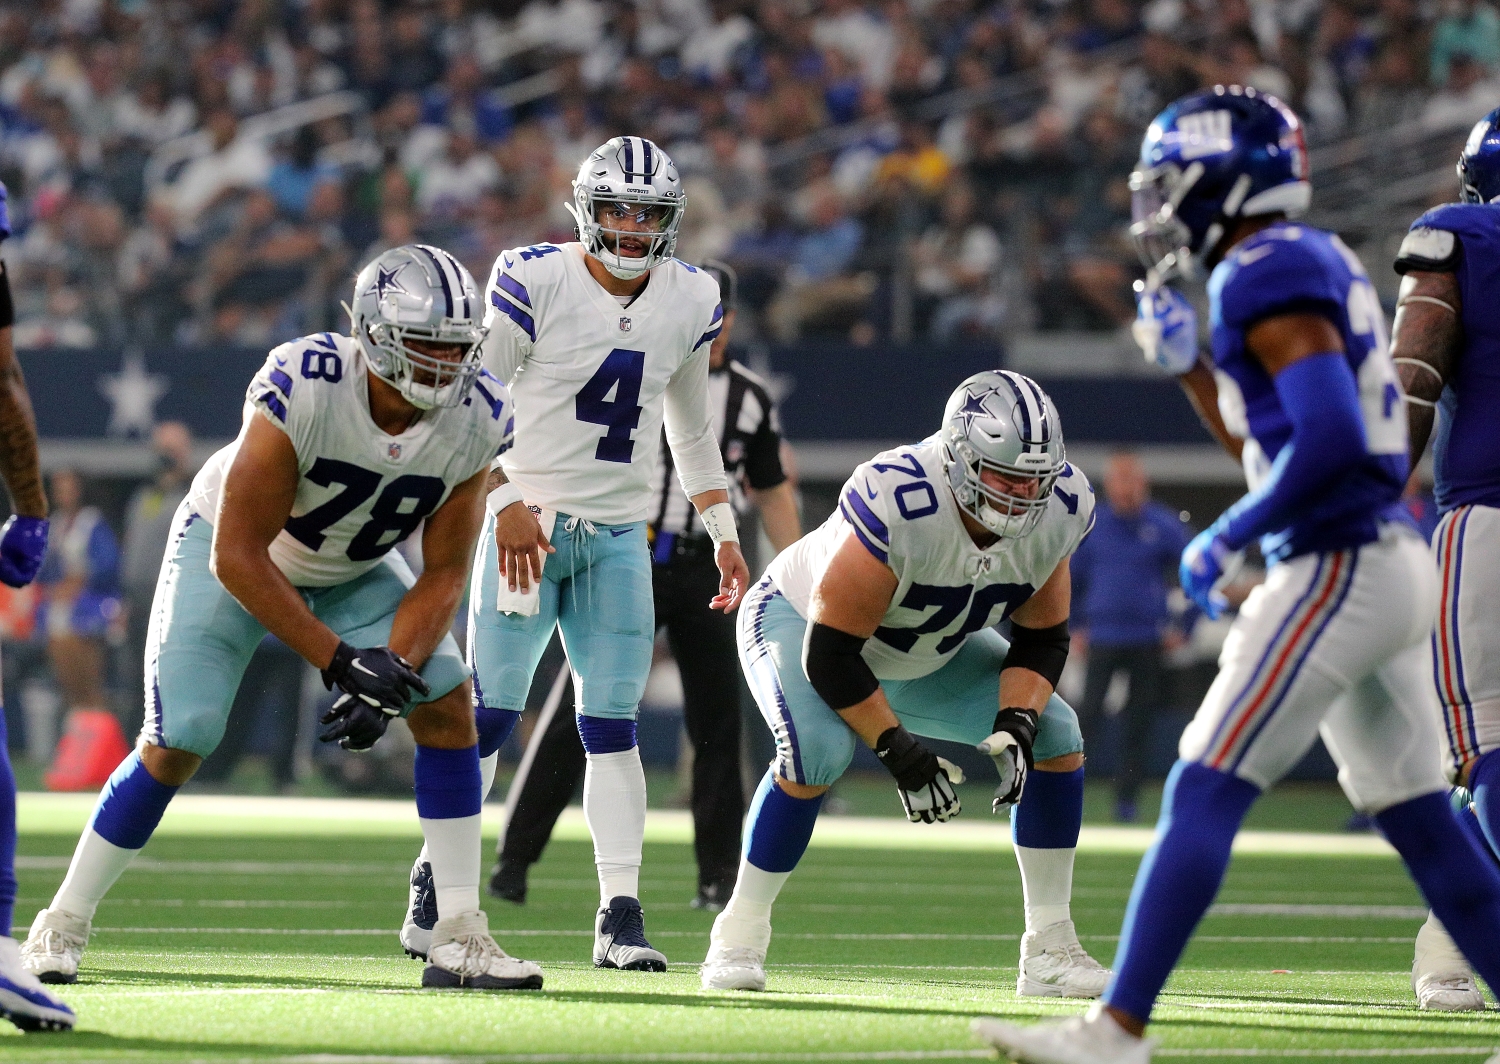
{"points": [[56, 978], [413, 954], [646, 965], [1032, 988], [433, 976]]}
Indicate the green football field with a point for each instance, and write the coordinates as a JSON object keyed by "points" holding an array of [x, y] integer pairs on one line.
{"points": [[265, 929]]}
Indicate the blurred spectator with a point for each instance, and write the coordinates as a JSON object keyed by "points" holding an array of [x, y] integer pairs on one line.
{"points": [[1469, 28], [958, 267], [233, 163], [1120, 617], [1469, 94], [453, 181], [819, 294], [462, 103], [293, 178]]}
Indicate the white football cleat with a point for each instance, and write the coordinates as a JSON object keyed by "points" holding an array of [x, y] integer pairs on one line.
{"points": [[620, 938], [1440, 977], [55, 945], [421, 912], [1054, 964], [463, 954], [736, 954], [1093, 1038], [23, 999]]}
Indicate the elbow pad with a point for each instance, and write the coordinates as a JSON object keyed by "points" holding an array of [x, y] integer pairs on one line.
{"points": [[834, 667], [1042, 650]]}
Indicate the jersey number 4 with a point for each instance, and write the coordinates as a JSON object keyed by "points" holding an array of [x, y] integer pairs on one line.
{"points": [[619, 375], [398, 511]]}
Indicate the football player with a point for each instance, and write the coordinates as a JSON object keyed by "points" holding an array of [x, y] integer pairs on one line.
{"points": [[23, 543], [348, 444], [602, 340], [1446, 343], [1335, 641], [876, 626]]}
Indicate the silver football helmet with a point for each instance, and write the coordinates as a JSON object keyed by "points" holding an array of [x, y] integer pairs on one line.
{"points": [[419, 292], [622, 174], [1002, 421]]}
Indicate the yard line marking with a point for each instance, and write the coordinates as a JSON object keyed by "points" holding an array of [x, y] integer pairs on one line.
{"points": [[230, 868], [1334, 912], [637, 1058], [1413, 1051]]}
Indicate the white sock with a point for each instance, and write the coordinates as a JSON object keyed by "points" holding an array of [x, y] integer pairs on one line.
{"points": [[453, 848], [614, 805], [487, 766], [96, 864], [746, 919], [1046, 884]]}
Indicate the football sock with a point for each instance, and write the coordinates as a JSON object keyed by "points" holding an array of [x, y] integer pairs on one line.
{"points": [[1462, 803], [1484, 784], [1201, 810], [447, 783], [1044, 826], [777, 833], [487, 767], [130, 806], [614, 803], [7, 833], [1461, 885]]}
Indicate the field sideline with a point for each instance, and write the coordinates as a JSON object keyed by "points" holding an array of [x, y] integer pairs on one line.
{"points": [[264, 929]]}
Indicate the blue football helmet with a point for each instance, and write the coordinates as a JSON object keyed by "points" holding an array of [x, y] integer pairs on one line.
{"points": [[1213, 156], [1479, 162]]}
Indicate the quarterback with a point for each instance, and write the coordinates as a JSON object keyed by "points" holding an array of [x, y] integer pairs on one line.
{"points": [[876, 626], [348, 444], [602, 341]]}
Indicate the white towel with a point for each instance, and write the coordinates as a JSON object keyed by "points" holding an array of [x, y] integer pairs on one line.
{"points": [[526, 604]]}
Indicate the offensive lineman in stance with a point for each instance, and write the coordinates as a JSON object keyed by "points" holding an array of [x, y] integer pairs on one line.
{"points": [[880, 619], [348, 443], [601, 340]]}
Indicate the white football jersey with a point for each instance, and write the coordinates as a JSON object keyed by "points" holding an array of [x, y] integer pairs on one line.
{"points": [[361, 491], [593, 381], [900, 506]]}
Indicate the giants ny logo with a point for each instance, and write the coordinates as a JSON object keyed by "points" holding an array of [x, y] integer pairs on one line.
{"points": [[1204, 133]]}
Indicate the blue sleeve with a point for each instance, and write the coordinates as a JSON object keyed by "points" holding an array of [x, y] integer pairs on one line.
{"points": [[104, 559], [1280, 277], [4, 211], [1328, 440], [1080, 571]]}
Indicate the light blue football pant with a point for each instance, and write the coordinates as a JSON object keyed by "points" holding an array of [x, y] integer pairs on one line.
{"points": [[200, 638], [813, 744], [597, 590]]}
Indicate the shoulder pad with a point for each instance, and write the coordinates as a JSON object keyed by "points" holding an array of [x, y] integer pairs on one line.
{"points": [[1429, 249]]}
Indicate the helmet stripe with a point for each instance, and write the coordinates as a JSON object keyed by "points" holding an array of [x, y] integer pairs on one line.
{"points": [[629, 157], [442, 276], [1009, 378], [646, 159], [458, 281], [1041, 403]]}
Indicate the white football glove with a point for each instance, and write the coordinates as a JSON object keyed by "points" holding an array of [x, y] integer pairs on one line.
{"points": [[1166, 328], [936, 801], [1010, 746]]}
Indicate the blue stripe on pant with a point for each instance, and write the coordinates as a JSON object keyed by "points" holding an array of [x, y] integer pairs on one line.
{"points": [[597, 590], [813, 744], [201, 639]]}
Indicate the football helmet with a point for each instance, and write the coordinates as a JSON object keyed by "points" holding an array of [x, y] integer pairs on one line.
{"points": [[1479, 162], [1213, 156], [419, 292], [1002, 421], [629, 171]]}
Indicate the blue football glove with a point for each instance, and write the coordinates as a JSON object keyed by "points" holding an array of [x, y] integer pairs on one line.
{"points": [[1208, 563], [1166, 328], [23, 544]]}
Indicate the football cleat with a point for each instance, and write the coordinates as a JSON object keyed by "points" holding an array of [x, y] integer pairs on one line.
{"points": [[55, 945], [23, 999], [1440, 977], [1093, 1038], [620, 938], [1053, 964], [734, 968], [462, 954], [508, 881], [421, 912]]}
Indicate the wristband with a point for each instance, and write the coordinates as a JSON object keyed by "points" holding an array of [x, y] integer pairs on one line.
{"points": [[719, 520], [505, 495]]}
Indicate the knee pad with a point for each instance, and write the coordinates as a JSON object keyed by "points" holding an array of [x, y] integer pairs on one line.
{"points": [[822, 757], [1057, 731]]}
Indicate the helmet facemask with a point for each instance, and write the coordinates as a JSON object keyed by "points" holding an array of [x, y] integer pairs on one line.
{"points": [[603, 242], [425, 381], [1007, 515]]}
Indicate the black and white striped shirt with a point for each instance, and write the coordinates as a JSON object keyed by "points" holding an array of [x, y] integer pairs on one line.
{"points": [[751, 448]]}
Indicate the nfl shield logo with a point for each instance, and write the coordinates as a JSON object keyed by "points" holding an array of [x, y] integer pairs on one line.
{"points": [[393, 451], [624, 324]]}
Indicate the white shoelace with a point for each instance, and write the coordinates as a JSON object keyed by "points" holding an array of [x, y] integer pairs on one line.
{"points": [[737, 956], [479, 952]]}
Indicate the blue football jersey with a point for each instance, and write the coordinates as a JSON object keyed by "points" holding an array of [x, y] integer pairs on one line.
{"points": [[1466, 448], [1290, 268]]}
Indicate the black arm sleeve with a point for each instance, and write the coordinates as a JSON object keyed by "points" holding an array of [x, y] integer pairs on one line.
{"points": [[1042, 650], [7, 306], [834, 667]]}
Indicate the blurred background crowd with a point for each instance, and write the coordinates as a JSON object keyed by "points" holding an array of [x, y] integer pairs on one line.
{"points": [[208, 171]]}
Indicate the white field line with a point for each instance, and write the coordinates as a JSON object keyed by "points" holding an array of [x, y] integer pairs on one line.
{"points": [[214, 814], [1410, 1051], [853, 1055]]}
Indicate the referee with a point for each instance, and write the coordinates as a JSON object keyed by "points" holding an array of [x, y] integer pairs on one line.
{"points": [[683, 578]]}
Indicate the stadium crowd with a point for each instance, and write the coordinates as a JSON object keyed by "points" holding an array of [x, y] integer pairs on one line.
{"points": [[943, 168]]}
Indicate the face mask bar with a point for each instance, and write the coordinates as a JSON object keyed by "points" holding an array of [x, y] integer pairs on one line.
{"points": [[1162, 240], [450, 379], [1004, 514], [660, 243]]}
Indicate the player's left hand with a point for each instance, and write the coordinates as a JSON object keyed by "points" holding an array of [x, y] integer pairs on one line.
{"points": [[23, 544], [1166, 328], [357, 726], [1010, 746], [1207, 564], [734, 577]]}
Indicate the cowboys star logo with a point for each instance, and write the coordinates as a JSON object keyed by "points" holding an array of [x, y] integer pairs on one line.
{"points": [[974, 407], [385, 281]]}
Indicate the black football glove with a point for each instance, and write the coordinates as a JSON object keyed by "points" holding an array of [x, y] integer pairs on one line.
{"points": [[923, 780], [377, 683], [1010, 746]]}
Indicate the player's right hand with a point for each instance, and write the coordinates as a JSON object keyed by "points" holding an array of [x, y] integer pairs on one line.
{"points": [[1010, 747], [377, 676], [937, 801], [923, 780], [520, 543], [23, 544], [1166, 328]]}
